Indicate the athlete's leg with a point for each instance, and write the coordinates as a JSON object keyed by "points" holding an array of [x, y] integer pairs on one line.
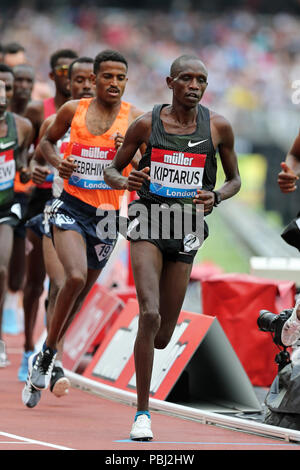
{"points": [[34, 287], [56, 274], [71, 250], [92, 277], [147, 265], [6, 244], [17, 264], [173, 285]]}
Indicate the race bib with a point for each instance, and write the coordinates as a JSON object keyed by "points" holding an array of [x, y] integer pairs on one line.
{"points": [[7, 169], [176, 174], [103, 251], [90, 162]]}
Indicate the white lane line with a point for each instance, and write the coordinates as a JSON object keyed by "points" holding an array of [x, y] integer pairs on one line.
{"points": [[33, 441]]}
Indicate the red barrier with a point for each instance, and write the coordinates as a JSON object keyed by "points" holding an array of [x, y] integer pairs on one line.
{"points": [[99, 311], [113, 362], [236, 299], [198, 367]]}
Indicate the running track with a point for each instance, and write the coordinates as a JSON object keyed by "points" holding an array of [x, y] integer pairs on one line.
{"points": [[82, 421]]}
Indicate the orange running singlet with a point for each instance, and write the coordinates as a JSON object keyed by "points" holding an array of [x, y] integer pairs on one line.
{"points": [[92, 153]]}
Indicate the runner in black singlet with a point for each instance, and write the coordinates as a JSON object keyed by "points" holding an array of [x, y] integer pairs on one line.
{"points": [[15, 139], [178, 167]]}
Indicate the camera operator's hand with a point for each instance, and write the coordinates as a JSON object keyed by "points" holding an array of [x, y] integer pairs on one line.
{"points": [[287, 179]]}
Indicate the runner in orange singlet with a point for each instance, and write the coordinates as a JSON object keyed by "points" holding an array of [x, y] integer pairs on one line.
{"points": [[37, 112], [97, 128]]}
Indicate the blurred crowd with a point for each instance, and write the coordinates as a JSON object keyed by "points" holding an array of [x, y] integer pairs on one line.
{"points": [[252, 60]]}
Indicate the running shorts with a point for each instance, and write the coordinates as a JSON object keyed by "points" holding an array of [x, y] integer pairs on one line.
{"points": [[70, 213], [177, 242]]}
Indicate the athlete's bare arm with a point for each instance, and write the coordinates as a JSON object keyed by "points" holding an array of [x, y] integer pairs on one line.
{"points": [[134, 114], [25, 138], [290, 173], [35, 113], [223, 139], [55, 132], [137, 135], [38, 164]]}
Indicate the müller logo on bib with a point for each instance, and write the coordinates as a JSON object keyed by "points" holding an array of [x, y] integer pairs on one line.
{"points": [[176, 174], [90, 162]]}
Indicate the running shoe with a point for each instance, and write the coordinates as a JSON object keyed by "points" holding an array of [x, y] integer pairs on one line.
{"points": [[3, 356], [30, 395], [59, 384], [291, 329], [40, 368], [23, 369], [141, 429]]}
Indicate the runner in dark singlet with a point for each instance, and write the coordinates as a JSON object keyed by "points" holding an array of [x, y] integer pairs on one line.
{"points": [[23, 85], [15, 139], [178, 167]]}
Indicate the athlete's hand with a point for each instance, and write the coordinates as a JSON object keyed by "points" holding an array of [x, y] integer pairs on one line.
{"points": [[39, 174], [25, 175], [136, 179], [206, 198], [119, 139], [287, 179], [66, 168]]}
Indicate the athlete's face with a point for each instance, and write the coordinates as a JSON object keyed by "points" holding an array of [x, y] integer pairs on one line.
{"points": [[189, 84], [110, 81], [8, 80], [82, 85], [23, 83], [60, 76]]}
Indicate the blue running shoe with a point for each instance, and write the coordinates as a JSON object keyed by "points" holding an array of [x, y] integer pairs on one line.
{"points": [[23, 369]]}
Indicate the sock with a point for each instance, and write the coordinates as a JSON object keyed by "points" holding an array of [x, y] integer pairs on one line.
{"points": [[138, 413], [54, 351], [58, 364]]}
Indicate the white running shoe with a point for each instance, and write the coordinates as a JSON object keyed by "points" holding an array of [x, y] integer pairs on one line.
{"points": [[30, 395], [291, 329], [141, 429]]}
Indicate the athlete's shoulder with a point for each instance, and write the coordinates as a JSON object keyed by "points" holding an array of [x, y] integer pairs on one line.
{"points": [[135, 112], [219, 121], [69, 108], [23, 122], [35, 106]]}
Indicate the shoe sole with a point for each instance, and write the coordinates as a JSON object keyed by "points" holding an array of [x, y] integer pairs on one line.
{"points": [[61, 387], [141, 438]]}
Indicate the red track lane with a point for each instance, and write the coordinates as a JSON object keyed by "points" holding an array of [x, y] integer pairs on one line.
{"points": [[82, 421]]}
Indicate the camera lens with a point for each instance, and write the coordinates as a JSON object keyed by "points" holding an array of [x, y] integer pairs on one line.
{"points": [[266, 321]]}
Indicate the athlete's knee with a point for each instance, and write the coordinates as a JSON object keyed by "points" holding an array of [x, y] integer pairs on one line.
{"points": [[34, 287], [149, 321], [75, 280], [3, 273]]}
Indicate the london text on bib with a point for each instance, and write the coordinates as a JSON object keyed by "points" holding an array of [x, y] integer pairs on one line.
{"points": [[7, 169], [90, 162], [176, 174]]}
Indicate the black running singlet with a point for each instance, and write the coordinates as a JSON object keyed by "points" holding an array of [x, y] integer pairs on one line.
{"points": [[179, 164], [8, 153]]}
